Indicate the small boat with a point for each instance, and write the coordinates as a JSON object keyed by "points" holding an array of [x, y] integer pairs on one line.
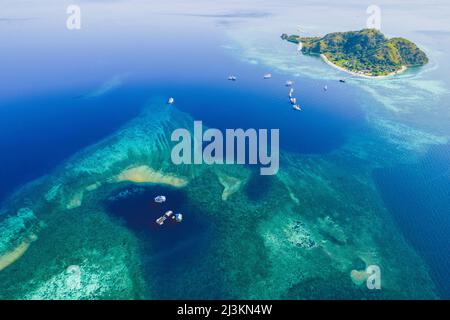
{"points": [[232, 78], [160, 199], [168, 214], [296, 107], [171, 100], [267, 76], [178, 217], [291, 91], [325, 88], [289, 83], [164, 217], [342, 80], [293, 101], [161, 220]]}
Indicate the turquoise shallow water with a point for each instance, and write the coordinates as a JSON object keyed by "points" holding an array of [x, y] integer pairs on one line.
{"points": [[357, 186]]}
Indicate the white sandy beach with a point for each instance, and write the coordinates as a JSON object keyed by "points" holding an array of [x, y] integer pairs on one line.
{"points": [[327, 61]]}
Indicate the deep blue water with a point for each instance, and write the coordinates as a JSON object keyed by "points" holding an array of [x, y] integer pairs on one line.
{"points": [[167, 250], [252, 102], [38, 132], [139, 211], [418, 197]]}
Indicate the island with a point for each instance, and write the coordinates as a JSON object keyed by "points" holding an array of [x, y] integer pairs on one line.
{"points": [[366, 53]]}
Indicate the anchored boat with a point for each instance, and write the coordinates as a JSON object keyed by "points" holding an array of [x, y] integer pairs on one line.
{"points": [[164, 217], [178, 217], [160, 199]]}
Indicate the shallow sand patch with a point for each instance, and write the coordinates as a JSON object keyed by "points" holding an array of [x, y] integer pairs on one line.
{"points": [[230, 185], [93, 186], [12, 256], [359, 277], [145, 174], [76, 201]]}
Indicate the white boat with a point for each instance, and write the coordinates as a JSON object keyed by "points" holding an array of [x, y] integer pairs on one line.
{"points": [[291, 91], [232, 78], [161, 220], [171, 100], [296, 107], [289, 83], [267, 76], [168, 214], [293, 100], [160, 199], [178, 217], [325, 88]]}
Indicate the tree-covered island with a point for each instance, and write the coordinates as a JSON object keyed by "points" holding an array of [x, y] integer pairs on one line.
{"points": [[366, 53]]}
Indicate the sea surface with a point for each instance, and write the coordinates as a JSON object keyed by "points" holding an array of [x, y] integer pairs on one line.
{"points": [[364, 168]]}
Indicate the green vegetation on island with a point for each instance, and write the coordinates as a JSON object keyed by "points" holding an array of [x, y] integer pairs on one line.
{"points": [[367, 52]]}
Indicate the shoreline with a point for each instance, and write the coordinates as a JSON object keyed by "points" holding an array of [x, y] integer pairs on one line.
{"points": [[327, 61]]}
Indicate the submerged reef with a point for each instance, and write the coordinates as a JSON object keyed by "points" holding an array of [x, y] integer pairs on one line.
{"points": [[295, 235], [17, 232], [230, 185], [74, 230]]}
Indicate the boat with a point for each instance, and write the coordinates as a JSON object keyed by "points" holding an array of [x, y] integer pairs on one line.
{"points": [[171, 100], [342, 80], [232, 78], [161, 220], [168, 214], [293, 100], [164, 217], [296, 107], [291, 91], [267, 76], [325, 88], [178, 217], [289, 83], [160, 199]]}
